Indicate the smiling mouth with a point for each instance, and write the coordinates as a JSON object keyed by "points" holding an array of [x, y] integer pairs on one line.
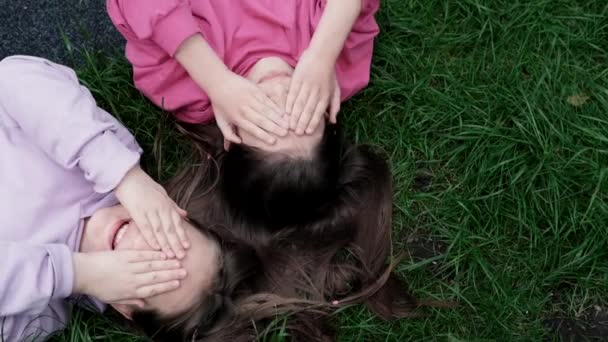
{"points": [[120, 232]]}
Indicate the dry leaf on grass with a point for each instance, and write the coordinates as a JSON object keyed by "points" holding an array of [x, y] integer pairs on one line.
{"points": [[578, 100]]}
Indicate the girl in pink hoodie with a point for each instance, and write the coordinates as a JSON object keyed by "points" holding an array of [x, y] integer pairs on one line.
{"points": [[193, 58]]}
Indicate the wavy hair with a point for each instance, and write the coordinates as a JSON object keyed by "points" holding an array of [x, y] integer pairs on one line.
{"points": [[299, 238]]}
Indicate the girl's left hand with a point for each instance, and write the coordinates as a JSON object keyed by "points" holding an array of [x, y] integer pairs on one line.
{"points": [[158, 218], [125, 276], [313, 89]]}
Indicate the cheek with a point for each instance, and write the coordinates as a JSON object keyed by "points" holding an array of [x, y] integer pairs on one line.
{"points": [[133, 240]]}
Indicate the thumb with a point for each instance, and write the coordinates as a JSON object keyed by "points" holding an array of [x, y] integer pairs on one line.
{"points": [[136, 302], [181, 212], [226, 145], [334, 106], [228, 131]]}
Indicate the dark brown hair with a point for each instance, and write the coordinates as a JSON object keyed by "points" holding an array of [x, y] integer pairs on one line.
{"points": [[299, 237]]}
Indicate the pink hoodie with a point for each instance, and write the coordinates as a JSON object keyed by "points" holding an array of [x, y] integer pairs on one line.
{"points": [[241, 33]]}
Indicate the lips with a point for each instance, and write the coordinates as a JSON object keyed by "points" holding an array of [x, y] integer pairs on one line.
{"points": [[117, 232]]}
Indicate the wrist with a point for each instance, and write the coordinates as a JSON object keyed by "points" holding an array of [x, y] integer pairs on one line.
{"points": [[133, 173], [336, 23], [201, 62], [214, 80], [323, 56], [80, 265]]}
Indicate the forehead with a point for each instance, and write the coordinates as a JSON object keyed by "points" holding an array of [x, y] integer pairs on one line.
{"points": [[202, 264]]}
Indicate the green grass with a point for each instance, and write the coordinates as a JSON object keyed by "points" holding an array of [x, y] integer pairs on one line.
{"points": [[500, 107]]}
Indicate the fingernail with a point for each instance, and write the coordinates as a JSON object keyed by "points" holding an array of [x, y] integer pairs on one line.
{"points": [[183, 273], [309, 131], [175, 283], [186, 244], [180, 255]]}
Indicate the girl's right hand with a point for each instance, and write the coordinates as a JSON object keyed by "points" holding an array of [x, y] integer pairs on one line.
{"points": [[157, 216], [125, 276], [238, 102]]}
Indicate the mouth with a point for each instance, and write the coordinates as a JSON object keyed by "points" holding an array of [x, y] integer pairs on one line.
{"points": [[118, 231]]}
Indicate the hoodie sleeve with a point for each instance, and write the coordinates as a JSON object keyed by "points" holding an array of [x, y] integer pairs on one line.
{"points": [[48, 104], [32, 276], [165, 22]]}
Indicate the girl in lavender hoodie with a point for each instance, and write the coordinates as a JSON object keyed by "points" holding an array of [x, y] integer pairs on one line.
{"points": [[70, 185], [77, 214]]}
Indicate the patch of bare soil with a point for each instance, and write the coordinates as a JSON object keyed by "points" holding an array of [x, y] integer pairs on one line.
{"points": [[591, 325]]}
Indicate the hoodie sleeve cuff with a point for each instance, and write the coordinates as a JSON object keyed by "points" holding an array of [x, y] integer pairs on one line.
{"points": [[106, 160], [171, 31], [63, 265]]}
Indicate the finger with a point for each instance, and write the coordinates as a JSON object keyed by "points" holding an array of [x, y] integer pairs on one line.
{"points": [[154, 265], [314, 98], [157, 226], [335, 106], [183, 213], [269, 108], [135, 302], [256, 131], [277, 110], [262, 109], [228, 131], [226, 145], [146, 230], [264, 122], [170, 232], [317, 116], [294, 90], [307, 113], [298, 107], [158, 277], [178, 222], [156, 289], [143, 256]]}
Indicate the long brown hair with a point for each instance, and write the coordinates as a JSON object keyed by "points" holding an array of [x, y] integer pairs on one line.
{"points": [[304, 269]]}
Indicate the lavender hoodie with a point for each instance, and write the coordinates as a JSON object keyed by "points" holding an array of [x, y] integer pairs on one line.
{"points": [[60, 158]]}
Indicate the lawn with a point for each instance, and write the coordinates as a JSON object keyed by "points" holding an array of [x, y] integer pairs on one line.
{"points": [[494, 114]]}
